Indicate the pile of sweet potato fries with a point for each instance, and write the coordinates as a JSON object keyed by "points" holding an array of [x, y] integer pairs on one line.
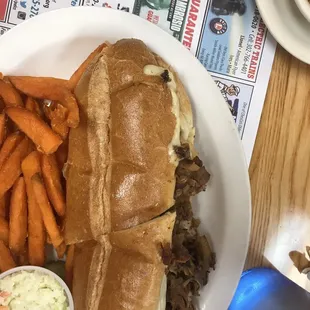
{"points": [[36, 116]]}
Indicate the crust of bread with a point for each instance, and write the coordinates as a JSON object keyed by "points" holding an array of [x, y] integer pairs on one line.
{"points": [[143, 125], [90, 265], [120, 178], [88, 166], [124, 270], [119, 171]]}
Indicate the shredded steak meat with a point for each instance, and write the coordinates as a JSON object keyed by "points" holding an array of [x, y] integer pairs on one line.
{"points": [[191, 258]]}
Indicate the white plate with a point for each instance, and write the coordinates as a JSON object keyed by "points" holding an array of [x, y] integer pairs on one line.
{"points": [[55, 43], [304, 7], [288, 26]]}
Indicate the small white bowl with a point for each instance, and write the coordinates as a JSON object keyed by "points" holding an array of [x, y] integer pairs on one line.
{"points": [[304, 7], [47, 272]]}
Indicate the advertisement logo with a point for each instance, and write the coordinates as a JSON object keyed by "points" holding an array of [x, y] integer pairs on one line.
{"points": [[229, 91], [21, 15], [218, 26], [228, 7], [23, 4]]}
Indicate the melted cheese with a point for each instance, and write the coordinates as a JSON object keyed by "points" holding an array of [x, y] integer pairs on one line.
{"points": [[162, 297], [156, 70]]}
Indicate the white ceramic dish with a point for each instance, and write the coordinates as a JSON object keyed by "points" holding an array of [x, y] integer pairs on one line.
{"points": [[45, 271], [304, 7], [55, 43], [288, 26]]}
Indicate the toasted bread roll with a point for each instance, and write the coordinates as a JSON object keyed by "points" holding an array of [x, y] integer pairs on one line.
{"points": [[121, 164], [124, 270]]}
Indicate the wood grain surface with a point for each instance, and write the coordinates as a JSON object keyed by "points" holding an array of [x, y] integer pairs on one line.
{"points": [[280, 171]]}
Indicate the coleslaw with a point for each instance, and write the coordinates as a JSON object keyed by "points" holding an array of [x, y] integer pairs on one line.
{"points": [[32, 290]]}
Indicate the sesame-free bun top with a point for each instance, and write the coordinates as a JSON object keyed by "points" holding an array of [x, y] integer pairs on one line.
{"points": [[121, 164]]}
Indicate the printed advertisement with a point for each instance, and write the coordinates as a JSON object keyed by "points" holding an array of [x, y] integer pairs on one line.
{"points": [[238, 96], [123, 5], [181, 18], [16, 11], [233, 40], [228, 37]]}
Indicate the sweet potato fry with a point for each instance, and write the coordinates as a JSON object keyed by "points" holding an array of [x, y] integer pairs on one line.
{"points": [[1, 76], [40, 87], [61, 129], [57, 114], [2, 105], [33, 106], [61, 223], [52, 180], [36, 230], [5, 206], [69, 266], [62, 154], [22, 259], [48, 239], [4, 230], [6, 259], [18, 217], [2, 128], [10, 95], [9, 146], [52, 89], [61, 250], [46, 210], [36, 129], [55, 111], [11, 169], [76, 76], [70, 103]]}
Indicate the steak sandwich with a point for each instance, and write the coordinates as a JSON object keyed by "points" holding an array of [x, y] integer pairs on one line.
{"points": [[131, 172], [124, 270]]}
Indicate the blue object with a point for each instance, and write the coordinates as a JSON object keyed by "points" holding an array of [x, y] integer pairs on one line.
{"points": [[268, 289]]}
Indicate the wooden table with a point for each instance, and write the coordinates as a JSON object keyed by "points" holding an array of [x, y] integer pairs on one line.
{"points": [[280, 171]]}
